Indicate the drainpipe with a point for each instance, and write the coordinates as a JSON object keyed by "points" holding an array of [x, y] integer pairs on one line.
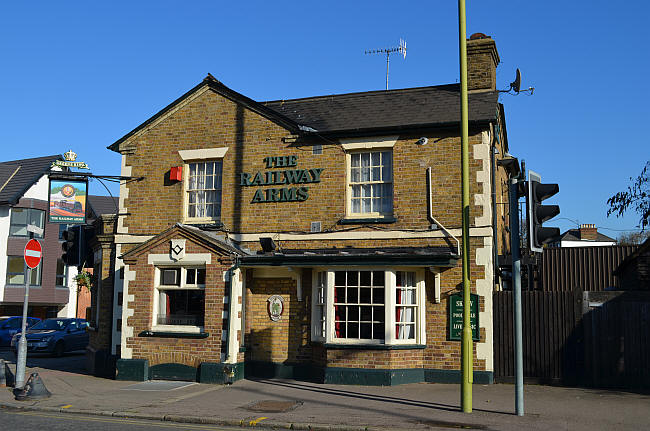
{"points": [[495, 239]]}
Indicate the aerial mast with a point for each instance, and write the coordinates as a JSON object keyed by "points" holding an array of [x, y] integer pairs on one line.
{"points": [[401, 49]]}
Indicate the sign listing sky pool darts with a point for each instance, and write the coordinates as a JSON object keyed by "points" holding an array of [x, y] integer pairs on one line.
{"points": [[68, 201]]}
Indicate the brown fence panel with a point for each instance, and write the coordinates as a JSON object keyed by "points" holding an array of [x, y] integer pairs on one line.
{"points": [[617, 339], [585, 268], [552, 336]]}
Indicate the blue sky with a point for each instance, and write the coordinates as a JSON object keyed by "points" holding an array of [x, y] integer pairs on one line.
{"points": [[82, 74]]}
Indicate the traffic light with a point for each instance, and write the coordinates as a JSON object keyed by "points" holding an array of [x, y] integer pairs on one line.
{"points": [[537, 213], [70, 245]]}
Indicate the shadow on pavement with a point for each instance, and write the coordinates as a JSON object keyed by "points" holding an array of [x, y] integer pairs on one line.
{"points": [[370, 397], [74, 362]]}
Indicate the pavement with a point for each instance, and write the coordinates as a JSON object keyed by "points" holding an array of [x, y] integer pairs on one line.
{"points": [[290, 404]]}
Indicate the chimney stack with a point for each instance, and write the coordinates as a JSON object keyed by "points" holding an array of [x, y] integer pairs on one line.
{"points": [[482, 62], [588, 232]]}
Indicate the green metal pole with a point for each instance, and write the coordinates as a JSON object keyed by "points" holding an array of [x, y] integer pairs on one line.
{"points": [[467, 348]]}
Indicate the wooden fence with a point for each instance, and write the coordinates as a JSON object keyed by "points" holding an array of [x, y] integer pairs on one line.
{"points": [[597, 339], [551, 343]]}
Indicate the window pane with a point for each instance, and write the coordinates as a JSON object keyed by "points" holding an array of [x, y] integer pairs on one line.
{"points": [[355, 160], [353, 313], [365, 278], [35, 279], [339, 278], [355, 175], [19, 216], [376, 174], [18, 230], [182, 307], [15, 264], [190, 278], [378, 295], [170, 277], [376, 159], [353, 295], [200, 276], [364, 296], [37, 217], [387, 162], [365, 174]]}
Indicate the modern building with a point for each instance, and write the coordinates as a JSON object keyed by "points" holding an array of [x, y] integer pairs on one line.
{"points": [[23, 202], [309, 238]]}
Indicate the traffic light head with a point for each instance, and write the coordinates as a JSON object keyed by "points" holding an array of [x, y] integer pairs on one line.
{"points": [[70, 246], [537, 213]]}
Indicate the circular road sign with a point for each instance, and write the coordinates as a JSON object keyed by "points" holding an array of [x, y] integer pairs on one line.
{"points": [[33, 252]]}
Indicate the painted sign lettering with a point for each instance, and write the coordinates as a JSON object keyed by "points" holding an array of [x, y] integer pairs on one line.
{"points": [[281, 177]]}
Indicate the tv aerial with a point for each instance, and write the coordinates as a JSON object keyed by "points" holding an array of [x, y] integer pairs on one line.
{"points": [[516, 85], [401, 49]]}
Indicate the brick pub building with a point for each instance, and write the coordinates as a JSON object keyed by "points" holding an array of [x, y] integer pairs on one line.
{"points": [[313, 238]]}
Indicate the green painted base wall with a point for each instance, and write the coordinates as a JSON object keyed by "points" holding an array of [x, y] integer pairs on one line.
{"points": [[220, 374], [360, 376], [173, 372], [132, 369], [217, 373]]}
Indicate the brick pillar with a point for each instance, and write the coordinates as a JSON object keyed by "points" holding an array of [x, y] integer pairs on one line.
{"points": [[482, 62]]}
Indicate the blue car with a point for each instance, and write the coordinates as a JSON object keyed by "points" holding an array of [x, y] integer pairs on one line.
{"points": [[55, 336], [10, 325]]}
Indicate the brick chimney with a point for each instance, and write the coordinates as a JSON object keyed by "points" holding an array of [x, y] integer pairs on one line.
{"points": [[588, 232], [482, 62]]}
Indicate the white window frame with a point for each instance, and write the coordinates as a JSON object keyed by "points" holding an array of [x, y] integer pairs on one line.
{"points": [[200, 156], [390, 336], [368, 145], [182, 286]]}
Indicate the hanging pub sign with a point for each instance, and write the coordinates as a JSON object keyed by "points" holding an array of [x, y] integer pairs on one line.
{"points": [[68, 201], [456, 316], [289, 183]]}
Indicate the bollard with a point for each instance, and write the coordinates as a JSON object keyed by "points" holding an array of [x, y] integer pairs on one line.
{"points": [[3, 377]]}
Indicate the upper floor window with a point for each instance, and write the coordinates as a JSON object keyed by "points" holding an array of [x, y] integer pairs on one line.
{"points": [[204, 190], [370, 179], [22, 217]]}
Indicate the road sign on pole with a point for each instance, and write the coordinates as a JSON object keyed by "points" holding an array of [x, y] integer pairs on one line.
{"points": [[33, 253]]}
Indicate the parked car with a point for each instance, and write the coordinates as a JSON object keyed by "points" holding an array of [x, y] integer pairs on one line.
{"points": [[10, 325], [55, 336]]}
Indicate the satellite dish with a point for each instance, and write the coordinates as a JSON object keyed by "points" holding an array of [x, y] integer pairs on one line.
{"points": [[516, 84]]}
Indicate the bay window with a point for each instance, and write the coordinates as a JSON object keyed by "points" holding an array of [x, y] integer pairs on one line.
{"points": [[373, 306]]}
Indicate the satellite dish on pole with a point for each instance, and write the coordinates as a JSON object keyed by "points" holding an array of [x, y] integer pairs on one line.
{"points": [[516, 84]]}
